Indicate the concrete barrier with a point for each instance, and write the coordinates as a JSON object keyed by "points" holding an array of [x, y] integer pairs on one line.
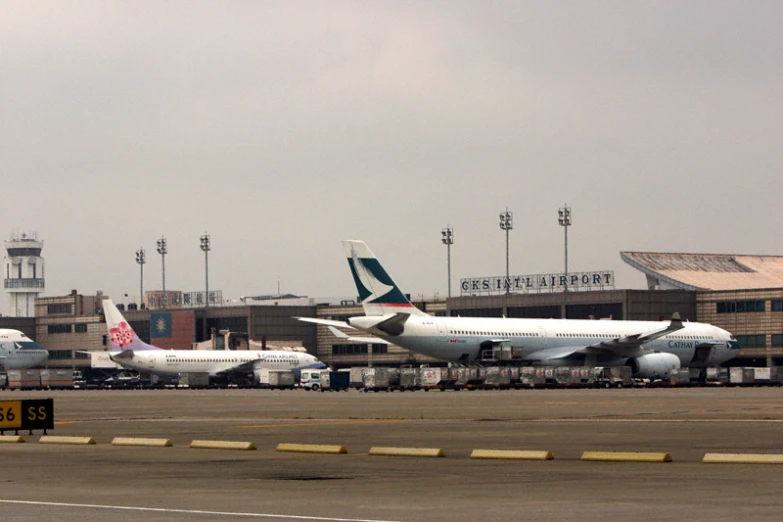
{"points": [[11, 438], [222, 444], [130, 441], [511, 454], [407, 452], [625, 456], [55, 439], [742, 458], [311, 448]]}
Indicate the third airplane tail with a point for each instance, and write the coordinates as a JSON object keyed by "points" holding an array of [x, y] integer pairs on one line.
{"points": [[121, 334], [377, 291]]}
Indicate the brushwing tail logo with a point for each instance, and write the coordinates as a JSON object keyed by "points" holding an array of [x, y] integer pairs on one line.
{"points": [[122, 335], [370, 288]]}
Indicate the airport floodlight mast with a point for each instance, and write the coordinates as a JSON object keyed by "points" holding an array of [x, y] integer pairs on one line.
{"points": [[507, 223], [141, 259], [447, 238], [564, 218], [205, 246], [162, 250]]}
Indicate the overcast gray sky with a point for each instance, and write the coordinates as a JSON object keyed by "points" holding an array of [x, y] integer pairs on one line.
{"points": [[281, 128]]}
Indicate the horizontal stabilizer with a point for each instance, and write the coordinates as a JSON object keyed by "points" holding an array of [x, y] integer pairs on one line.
{"points": [[125, 354], [343, 335], [326, 322]]}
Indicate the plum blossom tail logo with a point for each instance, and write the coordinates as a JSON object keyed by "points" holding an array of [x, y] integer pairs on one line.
{"points": [[122, 335]]}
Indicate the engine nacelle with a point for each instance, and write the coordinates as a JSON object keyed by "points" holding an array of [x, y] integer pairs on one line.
{"points": [[652, 364]]}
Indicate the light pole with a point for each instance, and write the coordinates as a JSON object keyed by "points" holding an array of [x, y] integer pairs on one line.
{"points": [[507, 223], [205, 246], [447, 237], [564, 218], [141, 259], [162, 250]]}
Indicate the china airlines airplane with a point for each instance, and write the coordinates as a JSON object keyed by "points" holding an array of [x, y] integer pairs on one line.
{"points": [[131, 352], [648, 347], [18, 352]]}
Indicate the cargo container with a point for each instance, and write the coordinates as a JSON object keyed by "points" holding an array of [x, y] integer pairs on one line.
{"points": [[531, 377], [497, 377], [357, 376], [612, 377], [573, 376], [57, 379], [381, 379], [680, 377], [282, 379], [432, 377], [717, 375], [409, 379], [743, 376], [338, 380], [24, 379], [3, 381], [193, 379]]}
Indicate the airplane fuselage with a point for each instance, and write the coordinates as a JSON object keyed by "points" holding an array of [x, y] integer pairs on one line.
{"points": [[457, 339], [213, 362], [18, 352]]}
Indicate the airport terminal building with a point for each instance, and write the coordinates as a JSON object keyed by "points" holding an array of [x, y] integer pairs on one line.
{"points": [[739, 293]]}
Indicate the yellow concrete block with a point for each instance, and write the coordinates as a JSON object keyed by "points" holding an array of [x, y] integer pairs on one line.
{"points": [[311, 448], [11, 438], [626, 456], [743, 458], [407, 452], [511, 454], [55, 439], [130, 441], [222, 444]]}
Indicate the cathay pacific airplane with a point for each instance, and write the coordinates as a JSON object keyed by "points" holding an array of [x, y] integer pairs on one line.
{"points": [[18, 352], [131, 352], [648, 347]]}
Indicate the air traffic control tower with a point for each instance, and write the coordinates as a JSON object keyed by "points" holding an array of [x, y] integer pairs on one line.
{"points": [[24, 273]]}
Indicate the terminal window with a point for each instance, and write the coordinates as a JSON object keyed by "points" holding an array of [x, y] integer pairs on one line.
{"points": [[752, 341], [738, 307], [777, 305], [349, 349], [59, 308], [59, 328], [777, 339], [60, 354]]}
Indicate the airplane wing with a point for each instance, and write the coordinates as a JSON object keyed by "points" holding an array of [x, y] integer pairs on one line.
{"points": [[343, 335], [327, 322], [631, 345], [561, 352]]}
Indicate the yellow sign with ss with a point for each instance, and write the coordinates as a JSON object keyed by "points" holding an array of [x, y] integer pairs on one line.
{"points": [[33, 414]]}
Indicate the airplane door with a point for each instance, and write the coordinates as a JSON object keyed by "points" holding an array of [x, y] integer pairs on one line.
{"points": [[542, 332], [151, 361]]}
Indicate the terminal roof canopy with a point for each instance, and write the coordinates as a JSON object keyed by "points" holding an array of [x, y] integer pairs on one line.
{"points": [[707, 271]]}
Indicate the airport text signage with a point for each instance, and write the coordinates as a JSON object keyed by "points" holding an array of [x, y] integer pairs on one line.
{"points": [[37, 414], [524, 284]]}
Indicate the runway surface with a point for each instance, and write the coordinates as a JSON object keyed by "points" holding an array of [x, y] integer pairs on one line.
{"points": [[112, 483]]}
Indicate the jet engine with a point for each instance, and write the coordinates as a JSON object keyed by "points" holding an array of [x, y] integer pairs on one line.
{"points": [[653, 364]]}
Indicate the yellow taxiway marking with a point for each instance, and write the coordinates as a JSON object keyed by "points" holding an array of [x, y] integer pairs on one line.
{"points": [[333, 423], [60, 423]]}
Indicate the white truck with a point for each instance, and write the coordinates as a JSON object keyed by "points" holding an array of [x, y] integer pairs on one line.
{"points": [[314, 379]]}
